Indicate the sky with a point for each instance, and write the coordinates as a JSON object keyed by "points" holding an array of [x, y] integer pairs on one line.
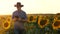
{"points": [[30, 6]]}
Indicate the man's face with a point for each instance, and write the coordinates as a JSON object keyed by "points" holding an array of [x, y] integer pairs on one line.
{"points": [[18, 7]]}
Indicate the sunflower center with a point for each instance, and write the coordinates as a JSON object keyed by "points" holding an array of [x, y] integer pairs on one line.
{"points": [[57, 23], [6, 24], [43, 22]]}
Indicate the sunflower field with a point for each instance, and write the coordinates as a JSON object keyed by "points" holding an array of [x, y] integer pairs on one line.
{"points": [[37, 24]]}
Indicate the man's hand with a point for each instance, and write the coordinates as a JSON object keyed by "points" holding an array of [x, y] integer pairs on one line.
{"points": [[19, 19], [14, 19]]}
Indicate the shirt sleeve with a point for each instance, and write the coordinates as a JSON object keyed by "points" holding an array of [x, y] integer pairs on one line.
{"points": [[13, 16], [25, 15]]}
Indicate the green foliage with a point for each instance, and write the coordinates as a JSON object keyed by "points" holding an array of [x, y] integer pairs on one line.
{"points": [[33, 28]]}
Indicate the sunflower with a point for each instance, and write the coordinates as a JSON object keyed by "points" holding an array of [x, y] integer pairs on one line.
{"points": [[6, 25], [56, 24], [42, 22], [1, 29], [32, 18], [3, 18], [8, 18]]}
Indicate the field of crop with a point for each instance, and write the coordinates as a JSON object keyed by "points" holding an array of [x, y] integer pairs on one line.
{"points": [[37, 24]]}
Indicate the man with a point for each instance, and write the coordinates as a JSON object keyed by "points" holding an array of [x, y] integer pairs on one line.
{"points": [[19, 17]]}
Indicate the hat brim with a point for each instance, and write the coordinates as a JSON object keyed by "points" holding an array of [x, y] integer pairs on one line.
{"points": [[20, 5]]}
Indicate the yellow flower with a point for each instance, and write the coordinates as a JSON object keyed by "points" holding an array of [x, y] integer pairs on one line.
{"points": [[3, 18], [42, 22], [56, 24], [32, 18], [8, 18], [6, 25]]}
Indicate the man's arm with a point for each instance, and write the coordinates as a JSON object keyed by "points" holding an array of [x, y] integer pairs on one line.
{"points": [[24, 19], [13, 17]]}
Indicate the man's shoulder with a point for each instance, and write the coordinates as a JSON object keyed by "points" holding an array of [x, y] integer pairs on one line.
{"points": [[15, 11], [23, 11]]}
